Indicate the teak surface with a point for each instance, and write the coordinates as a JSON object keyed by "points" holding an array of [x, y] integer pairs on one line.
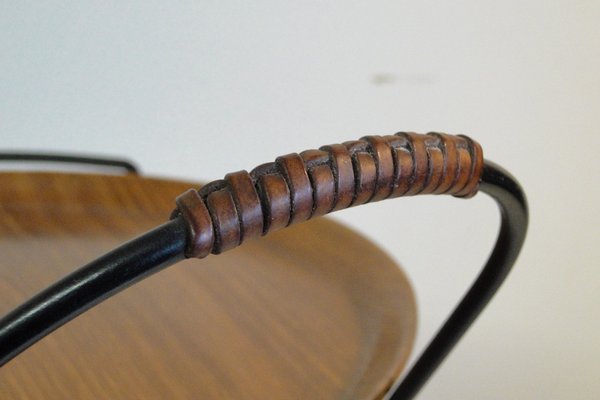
{"points": [[311, 312]]}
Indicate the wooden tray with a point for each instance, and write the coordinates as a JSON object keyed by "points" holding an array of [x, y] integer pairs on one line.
{"points": [[311, 312]]}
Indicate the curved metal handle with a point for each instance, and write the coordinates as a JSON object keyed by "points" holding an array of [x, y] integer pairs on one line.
{"points": [[294, 188], [297, 187]]}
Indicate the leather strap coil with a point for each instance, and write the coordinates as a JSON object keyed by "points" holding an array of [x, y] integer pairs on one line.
{"points": [[297, 187]]}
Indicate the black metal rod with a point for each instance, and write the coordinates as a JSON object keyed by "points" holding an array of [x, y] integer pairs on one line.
{"points": [[509, 196], [90, 285], [71, 159]]}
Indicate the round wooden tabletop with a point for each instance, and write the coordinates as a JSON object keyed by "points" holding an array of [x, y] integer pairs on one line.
{"points": [[311, 312]]}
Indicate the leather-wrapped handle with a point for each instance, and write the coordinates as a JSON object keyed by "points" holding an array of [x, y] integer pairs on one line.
{"points": [[294, 188], [297, 187]]}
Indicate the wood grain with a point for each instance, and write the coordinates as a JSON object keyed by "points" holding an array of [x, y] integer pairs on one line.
{"points": [[311, 312]]}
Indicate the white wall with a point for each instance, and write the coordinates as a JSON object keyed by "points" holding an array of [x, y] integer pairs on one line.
{"points": [[197, 89]]}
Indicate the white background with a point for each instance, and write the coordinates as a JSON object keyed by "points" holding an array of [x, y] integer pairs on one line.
{"points": [[198, 89]]}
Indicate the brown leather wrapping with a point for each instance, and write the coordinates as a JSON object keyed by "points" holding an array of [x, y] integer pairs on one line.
{"points": [[297, 187]]}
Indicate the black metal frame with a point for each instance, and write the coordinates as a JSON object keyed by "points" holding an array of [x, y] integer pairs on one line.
{"points": [[70, 159], [165, 245], [509, 196]]}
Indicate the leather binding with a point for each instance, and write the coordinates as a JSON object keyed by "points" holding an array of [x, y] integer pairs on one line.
{"points": [[297, 187]]}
